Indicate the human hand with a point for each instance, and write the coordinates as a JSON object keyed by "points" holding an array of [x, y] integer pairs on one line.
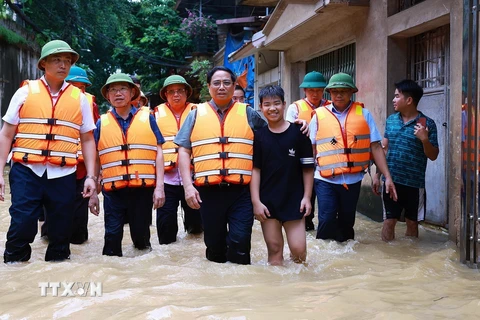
{"points": [[421, 132], [94, 204], [89, 187], [158, 197], [306, 206], [305, 129], [390, 189], [192, 197], [260, 211], [376, 184], [2, 188]]}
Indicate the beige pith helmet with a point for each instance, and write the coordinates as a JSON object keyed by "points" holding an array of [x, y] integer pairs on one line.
{"points": [[54, 47], [120, 77]]}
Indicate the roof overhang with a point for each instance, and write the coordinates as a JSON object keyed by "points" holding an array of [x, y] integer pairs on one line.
{"points": [[249, 48], [294, 21]]}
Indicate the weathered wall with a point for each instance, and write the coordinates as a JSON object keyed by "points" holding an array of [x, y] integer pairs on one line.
{"points": [[17, 63]]}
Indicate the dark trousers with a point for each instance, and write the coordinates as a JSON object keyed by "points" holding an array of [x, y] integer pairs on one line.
{"points": [[79, 232], [30, 194], [336, 210], [134, 204], [227, 216], [167, 226]]}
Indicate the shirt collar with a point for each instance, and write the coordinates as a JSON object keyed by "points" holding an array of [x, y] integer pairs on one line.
{"points": [[214, 105], [64, 85], [130, 114], [338, 112]]}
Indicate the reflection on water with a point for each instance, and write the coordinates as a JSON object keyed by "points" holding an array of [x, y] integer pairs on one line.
{"points": [[362, 279]]}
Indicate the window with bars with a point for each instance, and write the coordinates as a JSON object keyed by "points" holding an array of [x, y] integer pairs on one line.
{"points": [[428, 57], [340, 60]]}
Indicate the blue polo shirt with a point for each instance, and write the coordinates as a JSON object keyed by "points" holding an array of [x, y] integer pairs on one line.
{"points": [[406, 159], [125, 123]]}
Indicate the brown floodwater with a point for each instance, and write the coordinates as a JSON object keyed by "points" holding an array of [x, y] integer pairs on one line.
{"points": [[361, 279]]}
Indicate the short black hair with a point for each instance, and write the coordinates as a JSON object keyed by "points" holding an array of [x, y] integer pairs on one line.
{"points": [[220, 68], [271, 91], [410, 88], [237, 87]]}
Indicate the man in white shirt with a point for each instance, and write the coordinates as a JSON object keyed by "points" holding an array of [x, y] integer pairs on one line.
{"points": [[45, 118]]}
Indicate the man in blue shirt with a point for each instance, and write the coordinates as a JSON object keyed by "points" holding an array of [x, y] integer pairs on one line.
{"points": [[410, 140], [343, 157], [131, 159]]}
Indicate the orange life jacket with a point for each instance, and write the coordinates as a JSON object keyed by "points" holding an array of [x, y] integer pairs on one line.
{"points": [[342, 151], [46, 132], [90, 99], [305, 109], [222, 150], [127, 160], [169, 126]]}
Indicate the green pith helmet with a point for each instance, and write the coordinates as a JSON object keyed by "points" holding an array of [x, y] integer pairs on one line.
{"points": [[341, 80], [120, 77], [77, 74], [175, 79], [56, 46], [313, 79]]}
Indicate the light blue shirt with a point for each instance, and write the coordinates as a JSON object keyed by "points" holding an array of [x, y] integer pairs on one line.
{"points": [[375, 136]]}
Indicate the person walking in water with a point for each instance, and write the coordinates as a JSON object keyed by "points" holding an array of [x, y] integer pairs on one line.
{"points": [[282, 179], [47, 117]]}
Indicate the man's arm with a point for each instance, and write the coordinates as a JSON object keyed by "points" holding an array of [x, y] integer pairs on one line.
{"points": [[6, 137], [89, 152], [159, 192], [421, 133], [381, 163], [192, 196]]}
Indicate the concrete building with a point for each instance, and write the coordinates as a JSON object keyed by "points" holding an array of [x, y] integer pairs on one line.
{"points": [[379, 42]]}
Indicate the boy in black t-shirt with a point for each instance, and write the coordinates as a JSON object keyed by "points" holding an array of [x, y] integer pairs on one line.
{"points": [[282, 179]]}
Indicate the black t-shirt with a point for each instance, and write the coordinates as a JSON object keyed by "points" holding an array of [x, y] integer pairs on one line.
{"points": [[281, 158]]}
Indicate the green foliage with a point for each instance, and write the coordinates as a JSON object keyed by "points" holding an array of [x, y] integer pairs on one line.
{"points": [[11, 37], [155, 34], [199, 70], [137, 37]]}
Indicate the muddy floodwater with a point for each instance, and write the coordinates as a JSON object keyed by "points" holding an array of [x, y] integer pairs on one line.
{"points": [[361, 279]]}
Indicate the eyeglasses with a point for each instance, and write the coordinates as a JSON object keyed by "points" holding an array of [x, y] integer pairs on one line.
{"points": [[217, 84], [122, 90], [174, 92]]}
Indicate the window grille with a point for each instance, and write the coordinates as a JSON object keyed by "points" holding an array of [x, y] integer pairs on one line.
{"points": [[405, 4], [428, 55]]}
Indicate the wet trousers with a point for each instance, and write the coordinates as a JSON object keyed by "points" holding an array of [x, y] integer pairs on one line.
{"points": [[30, 193], [134, 204], [167, 226], [336, 210], [79, 232], [227, 216]]}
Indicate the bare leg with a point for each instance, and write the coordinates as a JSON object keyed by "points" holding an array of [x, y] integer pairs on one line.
{"points": [[272, 233], [297, 240], [388, 230], [412, 228]]}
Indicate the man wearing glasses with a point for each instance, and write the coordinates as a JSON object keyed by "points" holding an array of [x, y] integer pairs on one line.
{"points": [[218, 138], [170, 116]]}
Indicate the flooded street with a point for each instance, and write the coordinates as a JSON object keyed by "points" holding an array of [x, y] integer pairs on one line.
{"points": [[362, 279]]}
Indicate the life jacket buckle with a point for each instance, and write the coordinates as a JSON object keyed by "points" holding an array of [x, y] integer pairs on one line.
{"points": [[125, 147], [52, 121], [223, 140], [125, 162], [223, 155]]}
